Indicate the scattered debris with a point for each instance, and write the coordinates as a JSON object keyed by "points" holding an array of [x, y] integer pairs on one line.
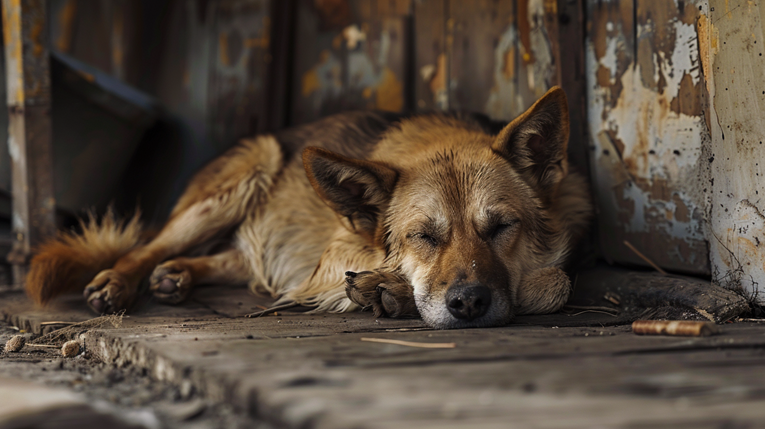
{"points": [[273, 309], [746, 319], [684, 328], [411, 343], [645, 258], [70, 348], [60, 336], [15, 344], [612, 298]]}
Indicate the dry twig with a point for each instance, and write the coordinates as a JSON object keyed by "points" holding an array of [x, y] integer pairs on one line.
{"points": [[645, 258], [685, 328], [411, 343], [273, 309]]}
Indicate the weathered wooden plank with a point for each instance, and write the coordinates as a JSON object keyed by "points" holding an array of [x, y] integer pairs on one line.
{"points": [[733, 59], [484, 51], [349, 55], [430, 64], [645, 94], [276, 113], [238, 70], [570, 57], [29, 127]]}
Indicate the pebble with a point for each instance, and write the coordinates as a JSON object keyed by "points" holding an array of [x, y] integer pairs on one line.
{"points": [[15, 344], [70, 348]]}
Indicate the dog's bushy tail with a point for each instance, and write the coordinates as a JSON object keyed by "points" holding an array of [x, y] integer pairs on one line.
{"points": [[69, 261]]}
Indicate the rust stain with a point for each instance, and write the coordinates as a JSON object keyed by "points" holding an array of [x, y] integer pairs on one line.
{"points": [[256, 42], [118, 53], [35, 34], [310, 82], [551, 7], [681, 211], [438, 81], [746, 245], [524, 31], [688, 100], [708, 47], [223, 49], [66, 19], [603, 76], [390, 92], [508, 69], [14, 65], [87, 76], [333, 13]]}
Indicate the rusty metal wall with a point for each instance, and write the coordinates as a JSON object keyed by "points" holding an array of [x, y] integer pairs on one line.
{"points": [[350, 55], [649, 134]]}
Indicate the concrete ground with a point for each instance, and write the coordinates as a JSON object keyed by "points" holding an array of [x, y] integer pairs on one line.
{"points": [[203, 364]]}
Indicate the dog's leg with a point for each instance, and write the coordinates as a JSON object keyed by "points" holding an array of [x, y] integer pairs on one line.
{"points": [[219, 197], [172, 281], [543, 291], [385, 293]]}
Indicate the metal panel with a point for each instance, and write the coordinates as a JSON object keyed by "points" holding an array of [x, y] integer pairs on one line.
{"points": [[350, 55], [239, 65], [648, 133]]}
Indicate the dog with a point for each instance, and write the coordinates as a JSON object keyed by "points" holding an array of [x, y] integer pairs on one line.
{"points": [[446, 217]]}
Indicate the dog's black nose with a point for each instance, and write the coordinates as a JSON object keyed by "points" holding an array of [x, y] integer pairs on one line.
{"points": [[468, 302]]}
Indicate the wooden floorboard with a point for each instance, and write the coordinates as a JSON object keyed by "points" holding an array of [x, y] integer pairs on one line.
{"points": [[314, 371]]}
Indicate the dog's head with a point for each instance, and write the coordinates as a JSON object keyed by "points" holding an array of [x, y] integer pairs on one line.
{"points": [[461, 213]]}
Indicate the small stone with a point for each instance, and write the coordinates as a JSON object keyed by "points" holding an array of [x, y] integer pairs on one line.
{"points": [[15, 344], [70, 348]]}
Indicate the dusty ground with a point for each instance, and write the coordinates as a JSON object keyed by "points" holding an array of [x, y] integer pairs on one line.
{"points": [[127, 391]]}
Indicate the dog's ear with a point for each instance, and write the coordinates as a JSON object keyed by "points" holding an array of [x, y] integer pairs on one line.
{"points": [[355, 189], [535, 143]]}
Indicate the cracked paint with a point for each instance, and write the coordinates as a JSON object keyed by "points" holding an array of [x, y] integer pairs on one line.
{"points": [[644, 91]]}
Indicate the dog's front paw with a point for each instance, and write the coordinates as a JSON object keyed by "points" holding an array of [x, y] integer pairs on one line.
{"points": [[385, 293], [109, 292], [543, 291], [171, 282]]}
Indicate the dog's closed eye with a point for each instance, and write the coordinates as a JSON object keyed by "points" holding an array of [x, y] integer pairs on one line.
{"points": [[503, 227], [424, 238]]}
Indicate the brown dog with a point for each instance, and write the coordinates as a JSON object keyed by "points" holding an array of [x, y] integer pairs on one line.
{"points": [[427, 214]]}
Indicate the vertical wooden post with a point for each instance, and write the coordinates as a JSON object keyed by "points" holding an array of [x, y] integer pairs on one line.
{"points": [[29, 127]]}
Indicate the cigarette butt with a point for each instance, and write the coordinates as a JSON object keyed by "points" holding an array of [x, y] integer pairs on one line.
{"points": [[685, 328]]}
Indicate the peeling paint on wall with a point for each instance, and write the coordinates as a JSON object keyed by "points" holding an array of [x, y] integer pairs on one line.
{"points": [[360, 65], [504, 100], [648, 133]]}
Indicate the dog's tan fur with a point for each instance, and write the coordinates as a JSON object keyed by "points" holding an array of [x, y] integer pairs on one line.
{"points": [[380, 212]]}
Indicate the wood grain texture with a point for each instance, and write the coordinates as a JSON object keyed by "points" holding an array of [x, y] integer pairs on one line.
{"points": [[735, 59]]}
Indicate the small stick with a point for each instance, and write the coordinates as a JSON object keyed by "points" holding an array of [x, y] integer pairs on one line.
{"points": [[42, 345], [645, 258], [273, 309], [591, 308], [685, 328], [411, 343], [57, 323]]}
